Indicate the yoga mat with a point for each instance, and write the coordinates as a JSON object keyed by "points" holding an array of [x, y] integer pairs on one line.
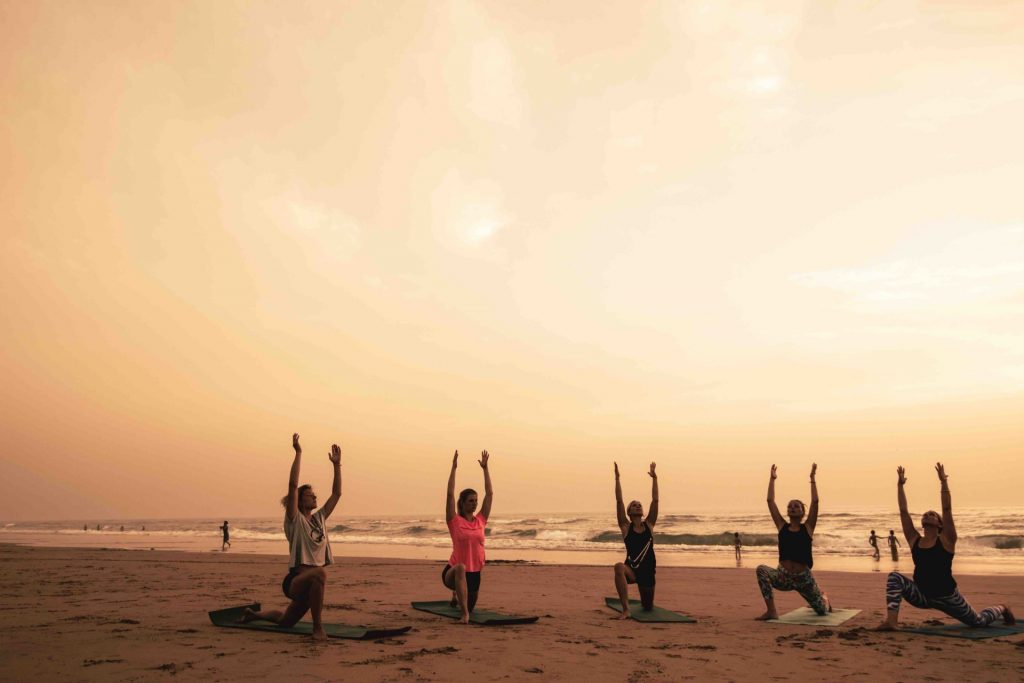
{"points": [[477, 616], [656, 615], [808, 617], [229, 618], [968, 632]]}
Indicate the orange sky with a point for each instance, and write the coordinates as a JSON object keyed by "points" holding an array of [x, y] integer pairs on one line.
{"points": [[709, 235]]}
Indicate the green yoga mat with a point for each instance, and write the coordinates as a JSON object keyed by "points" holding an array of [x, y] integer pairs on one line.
{"points": [[229, 618], [654, 615], [968, 632], [805, 616], [477, 616]]}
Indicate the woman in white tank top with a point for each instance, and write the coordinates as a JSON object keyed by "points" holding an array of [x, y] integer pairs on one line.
{"points": [[309, 549]]}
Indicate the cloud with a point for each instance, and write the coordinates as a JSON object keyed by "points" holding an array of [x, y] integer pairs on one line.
{"points": [[974, 266]]}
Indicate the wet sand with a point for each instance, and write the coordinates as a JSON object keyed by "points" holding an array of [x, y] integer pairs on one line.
{"points": [[95, 614]]}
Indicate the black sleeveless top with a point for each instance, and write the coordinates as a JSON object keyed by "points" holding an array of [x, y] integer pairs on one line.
{"points": [[795, 546], [640, 548], [933, 569]]}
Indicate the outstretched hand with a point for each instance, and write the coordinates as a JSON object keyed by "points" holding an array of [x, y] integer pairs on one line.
{"points": [[651, 473], [814, 469], [335, 454], [902, 476], [941, 471], [295, 444], [455, 460], [484, 455], [773, 473], [616, 469]]}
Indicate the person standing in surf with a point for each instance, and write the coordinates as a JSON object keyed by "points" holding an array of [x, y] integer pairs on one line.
{"points": [[637, 534], [737, 546], [933, 586], [462, 573], [226, 543], [873, 542], [309, 548], [893, 544], [795, 557]]}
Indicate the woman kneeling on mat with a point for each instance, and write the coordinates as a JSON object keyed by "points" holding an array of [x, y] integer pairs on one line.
{"points": [[795, 558], [640, 565], [933, 586], [462, 573], [309, 549]]}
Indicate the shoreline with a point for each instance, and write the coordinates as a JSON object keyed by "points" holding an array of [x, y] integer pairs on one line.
{"points": [[723, 559], [93, 614]]}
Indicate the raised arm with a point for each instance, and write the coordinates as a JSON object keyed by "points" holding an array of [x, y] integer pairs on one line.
{"points": [[812, 513], [292, 508], [485, 509], [772, 507], [620, 509], [909, 531], [652, 512], [335, 457], [948, 528], [450, 509]]}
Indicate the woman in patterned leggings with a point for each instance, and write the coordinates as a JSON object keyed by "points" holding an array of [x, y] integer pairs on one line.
{"points": [[933, 586], [795, 558]]}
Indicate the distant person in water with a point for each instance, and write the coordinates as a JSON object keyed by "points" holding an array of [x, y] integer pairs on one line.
{"points": [[737, 546], [893, 544], [933, 586], [462, 572], [638, 535], [85, 527], [873, 542], [795, 558], [309, 548], [226, 543]]}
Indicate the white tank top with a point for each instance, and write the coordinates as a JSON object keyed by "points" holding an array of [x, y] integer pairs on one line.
{"points": [[307, 540]]}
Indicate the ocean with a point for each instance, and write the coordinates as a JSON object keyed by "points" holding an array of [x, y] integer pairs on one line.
{"points": [[991, 540]]}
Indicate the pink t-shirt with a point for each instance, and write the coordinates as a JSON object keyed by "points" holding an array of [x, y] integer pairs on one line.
{"points": [[467, 542]]}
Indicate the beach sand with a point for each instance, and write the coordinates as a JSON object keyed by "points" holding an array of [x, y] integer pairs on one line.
{"points": [[93, 614]]}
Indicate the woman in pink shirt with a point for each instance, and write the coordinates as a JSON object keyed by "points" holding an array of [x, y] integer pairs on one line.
{"points": [[462, 573]]}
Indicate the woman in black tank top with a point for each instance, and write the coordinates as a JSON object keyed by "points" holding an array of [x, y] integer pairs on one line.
{"points": [[933, 586], [637, 533], [795, 556]]}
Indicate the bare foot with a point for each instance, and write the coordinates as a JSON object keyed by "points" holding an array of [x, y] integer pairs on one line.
{"points": [[767, 616], [1008, 617], [465, 618], [886, 626], [319, 634], [624, 615], [828, 603], [247, 616]]}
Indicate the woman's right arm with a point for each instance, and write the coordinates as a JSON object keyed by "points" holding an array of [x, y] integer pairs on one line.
{"points": [[620, 510], [292, 508], [909, 532], [772, 507], [451, 509]]}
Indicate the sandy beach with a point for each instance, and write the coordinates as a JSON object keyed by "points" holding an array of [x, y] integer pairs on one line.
{"points": [[94, 614]]}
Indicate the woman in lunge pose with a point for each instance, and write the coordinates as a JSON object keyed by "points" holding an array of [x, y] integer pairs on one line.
{"points": [[462, 573], [637, 533], [933, 586], [309, 549], [795, 558]]}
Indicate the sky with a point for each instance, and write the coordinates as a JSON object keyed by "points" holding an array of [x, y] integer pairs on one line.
{"points": [[713, 235]]}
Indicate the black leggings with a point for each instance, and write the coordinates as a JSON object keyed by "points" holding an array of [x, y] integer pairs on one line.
{"points": [[472, 586]]}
